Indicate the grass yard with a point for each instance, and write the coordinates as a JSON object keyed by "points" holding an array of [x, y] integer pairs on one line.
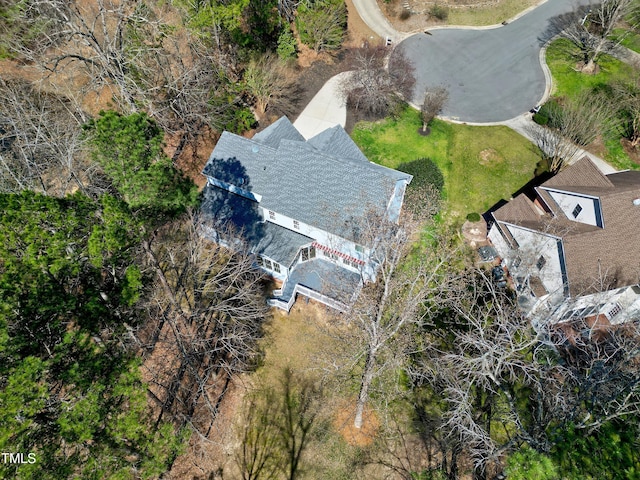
{"points": [[631, 40], [492, 14], [480, 165], [562, 57], [302, 341]]}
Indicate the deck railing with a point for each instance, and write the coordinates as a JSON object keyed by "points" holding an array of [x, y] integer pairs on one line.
{"points": [[307, 292]]}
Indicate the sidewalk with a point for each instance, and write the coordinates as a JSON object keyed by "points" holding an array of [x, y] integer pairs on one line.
{"points": [[523, 124]]}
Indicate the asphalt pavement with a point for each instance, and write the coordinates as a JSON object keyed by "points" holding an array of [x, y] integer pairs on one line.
{"points": [[492, 74]]}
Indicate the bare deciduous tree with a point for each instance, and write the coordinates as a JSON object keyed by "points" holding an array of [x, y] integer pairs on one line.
{"points": [[481, 347], [574, 124], [267, 80], [434, 101], [556, 149], [628, 95], [374, 87], [591, 29], [208, 309], [505, 383], [41, 145], [379, 321], [287, 9], [128, 48]]}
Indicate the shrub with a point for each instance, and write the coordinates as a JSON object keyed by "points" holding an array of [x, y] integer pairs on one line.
{"points": [[552, 111], [425, 172], [405, 14], [286, 45], [427, 177], [474, 217], [540, 118], [439, 12]]}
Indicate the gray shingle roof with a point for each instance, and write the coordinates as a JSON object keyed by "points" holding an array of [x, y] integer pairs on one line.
{"points": [[323, 277], [299, 181], [281, 129], [280, 244], [335, 141], [225, 209]]}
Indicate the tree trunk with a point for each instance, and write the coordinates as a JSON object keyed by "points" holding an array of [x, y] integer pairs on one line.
{"points": [[367, 377], [590, 67]]}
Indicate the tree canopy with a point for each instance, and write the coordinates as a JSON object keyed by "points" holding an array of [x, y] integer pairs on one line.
{"points": [[129, 149], [71, 391]]}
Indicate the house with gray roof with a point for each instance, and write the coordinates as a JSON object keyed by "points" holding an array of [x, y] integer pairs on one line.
{"points": [[299, 205], [572, 246]]}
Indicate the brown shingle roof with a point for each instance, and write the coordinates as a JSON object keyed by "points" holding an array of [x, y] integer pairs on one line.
{"points": [[610, 256], [517, 210], [596, 258], [583, 173]]}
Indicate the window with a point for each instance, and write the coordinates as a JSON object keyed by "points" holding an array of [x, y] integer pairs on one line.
{"points": [[307, 253], [296, 224], [272, 215], [349, 262], [267, 264], [259, 261], [541, 262], [615, 310], [276, 267], [576, 211]]}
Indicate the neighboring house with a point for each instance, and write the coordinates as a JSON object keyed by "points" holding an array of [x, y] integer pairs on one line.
{"points": [[299, 205], [573, 248]]}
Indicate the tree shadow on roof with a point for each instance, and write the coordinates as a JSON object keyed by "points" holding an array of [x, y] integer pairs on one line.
{"points": [[227, 211]]}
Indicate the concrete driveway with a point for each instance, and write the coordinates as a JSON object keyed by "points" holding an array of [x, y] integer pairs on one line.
{"points": [[325, 110], [492, 74]]}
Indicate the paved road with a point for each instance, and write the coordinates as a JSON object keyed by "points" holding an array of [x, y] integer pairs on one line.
{"points": [[375, 19], [492, 74]]}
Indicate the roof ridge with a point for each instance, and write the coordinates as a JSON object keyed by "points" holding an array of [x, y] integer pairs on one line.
{"points": [[583, 173], [338, 160]]}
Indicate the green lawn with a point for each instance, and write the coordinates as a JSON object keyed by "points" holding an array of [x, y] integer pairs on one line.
{"points": [[631, 40], [562, 57], [491, 14], [480, 165]]}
